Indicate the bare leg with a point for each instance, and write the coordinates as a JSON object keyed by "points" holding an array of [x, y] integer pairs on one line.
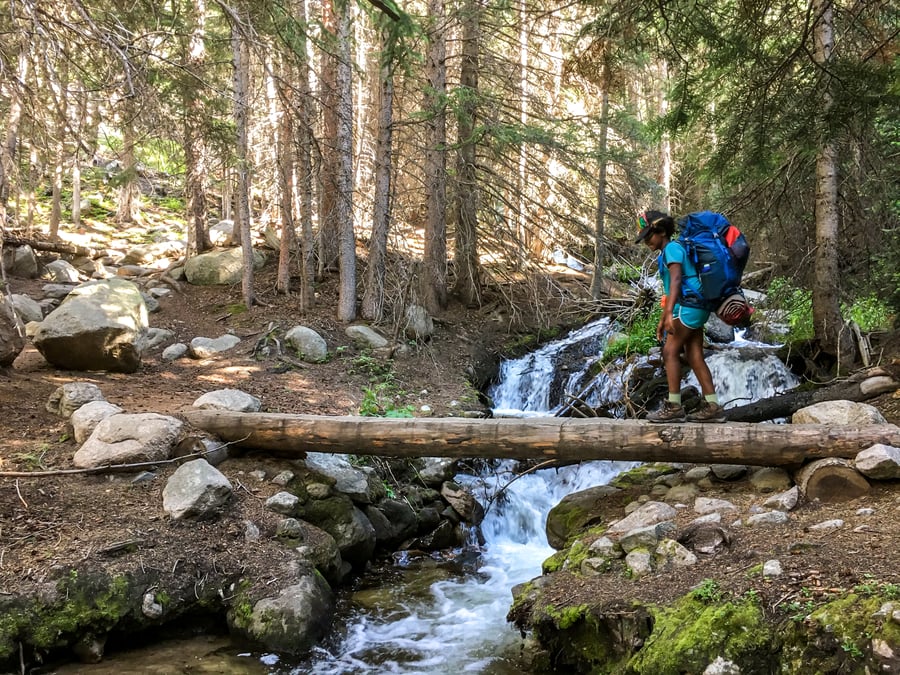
{"points": [[693, 352]]}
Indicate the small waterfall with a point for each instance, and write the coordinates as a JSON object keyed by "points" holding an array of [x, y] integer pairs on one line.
{"points": [[431, 621]]}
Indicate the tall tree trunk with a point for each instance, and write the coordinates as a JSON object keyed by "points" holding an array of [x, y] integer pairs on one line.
{"points": [[195, 151], [833, 335], [468, 270], [373, 298], [127, 205], [60, 84], [303, 102], [241, 89], [328, 191], [81, 124], [665, 146], [433, 282], [346, 310], [11, 143], [600, 217], [284, 150]]}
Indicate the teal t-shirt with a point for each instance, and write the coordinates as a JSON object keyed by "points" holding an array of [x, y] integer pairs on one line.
{"points": [[692, 317], [675, 253]]}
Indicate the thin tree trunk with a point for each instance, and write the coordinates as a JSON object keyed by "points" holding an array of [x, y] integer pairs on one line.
{"points": [[433, 283], [600, 218], [329, 191], [834, 336], [195, 152], [373, 298], [346, 310], [126, 210], [467, 286], [60, 83], [285, 158], [241, 87], [11, 143], [80, 125], [304, 137]]}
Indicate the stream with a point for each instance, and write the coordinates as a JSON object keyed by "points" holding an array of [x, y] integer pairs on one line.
{"points": [[434, 615]]}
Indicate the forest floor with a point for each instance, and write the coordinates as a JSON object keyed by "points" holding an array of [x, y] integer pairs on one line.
{"points": [[54, 522]]}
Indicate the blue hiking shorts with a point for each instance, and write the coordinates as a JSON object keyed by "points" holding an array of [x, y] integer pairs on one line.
{"points": [[692, 317]]}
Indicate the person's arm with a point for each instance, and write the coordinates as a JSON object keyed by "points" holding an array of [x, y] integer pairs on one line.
{"points": [[674, 294]]}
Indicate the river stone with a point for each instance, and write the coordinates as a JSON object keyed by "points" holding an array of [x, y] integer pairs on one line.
{"points": [[670, 553], [86, 418], [576, 512], [295, 619], [839, 413], [433, 471], [68, 398], [126, 439], [196, 489], [284, 503], [393, 520]]}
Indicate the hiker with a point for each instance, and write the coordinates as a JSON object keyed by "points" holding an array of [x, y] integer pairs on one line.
{"points": [[680, 327]]}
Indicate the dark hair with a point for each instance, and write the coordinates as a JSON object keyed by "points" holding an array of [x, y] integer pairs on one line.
{"points": [[661, 222]]}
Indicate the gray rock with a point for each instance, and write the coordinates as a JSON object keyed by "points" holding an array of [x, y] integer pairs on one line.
{"points": [[86, 418], [309, 345], [433, 471], [204, 347], [220, 267], [296, 618], [365, 336], [728, 471], [156, 336], [704, 505], [419, 324], [62, 271], [880, 462], [361, 486], [175, 351], [639, 563], [71, 396], [126, 439], [195, 490], [12, 333], [768, 518], [101, 325], [284, 503], [26, 308], [784, 501], [575, 512], [650, 513], [669, 553], [463, 502], [838, 413], [234, 400], [20, 261], [772, 568]]}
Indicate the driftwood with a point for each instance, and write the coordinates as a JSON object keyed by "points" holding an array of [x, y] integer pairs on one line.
{"points": [[861, 386], [564, 439]]}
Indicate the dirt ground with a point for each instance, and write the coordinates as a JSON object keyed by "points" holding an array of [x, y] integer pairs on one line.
{"points": [[50, 523]]}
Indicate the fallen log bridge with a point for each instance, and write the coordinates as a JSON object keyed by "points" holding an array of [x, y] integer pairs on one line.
{"points": [[562, 438]]}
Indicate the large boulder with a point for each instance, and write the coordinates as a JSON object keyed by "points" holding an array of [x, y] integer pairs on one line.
{"points": [[20, 261], [219, 267], [12, 333], [838, 413], [101, 325]]}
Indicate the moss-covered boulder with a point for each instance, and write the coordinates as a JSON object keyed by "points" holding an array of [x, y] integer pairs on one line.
{"points": [[576, 512]]}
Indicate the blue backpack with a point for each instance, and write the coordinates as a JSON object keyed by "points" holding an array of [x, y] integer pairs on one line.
{"points": [[719, 252]]}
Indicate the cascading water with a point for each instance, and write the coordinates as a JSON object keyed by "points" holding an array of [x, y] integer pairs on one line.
{"points": [[427, 621]]}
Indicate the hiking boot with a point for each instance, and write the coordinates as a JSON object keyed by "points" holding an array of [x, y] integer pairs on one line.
{"points": [[669, 413], [708, 412]]}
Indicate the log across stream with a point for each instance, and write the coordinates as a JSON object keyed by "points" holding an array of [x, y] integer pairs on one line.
{"points": [[563, 439]]}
